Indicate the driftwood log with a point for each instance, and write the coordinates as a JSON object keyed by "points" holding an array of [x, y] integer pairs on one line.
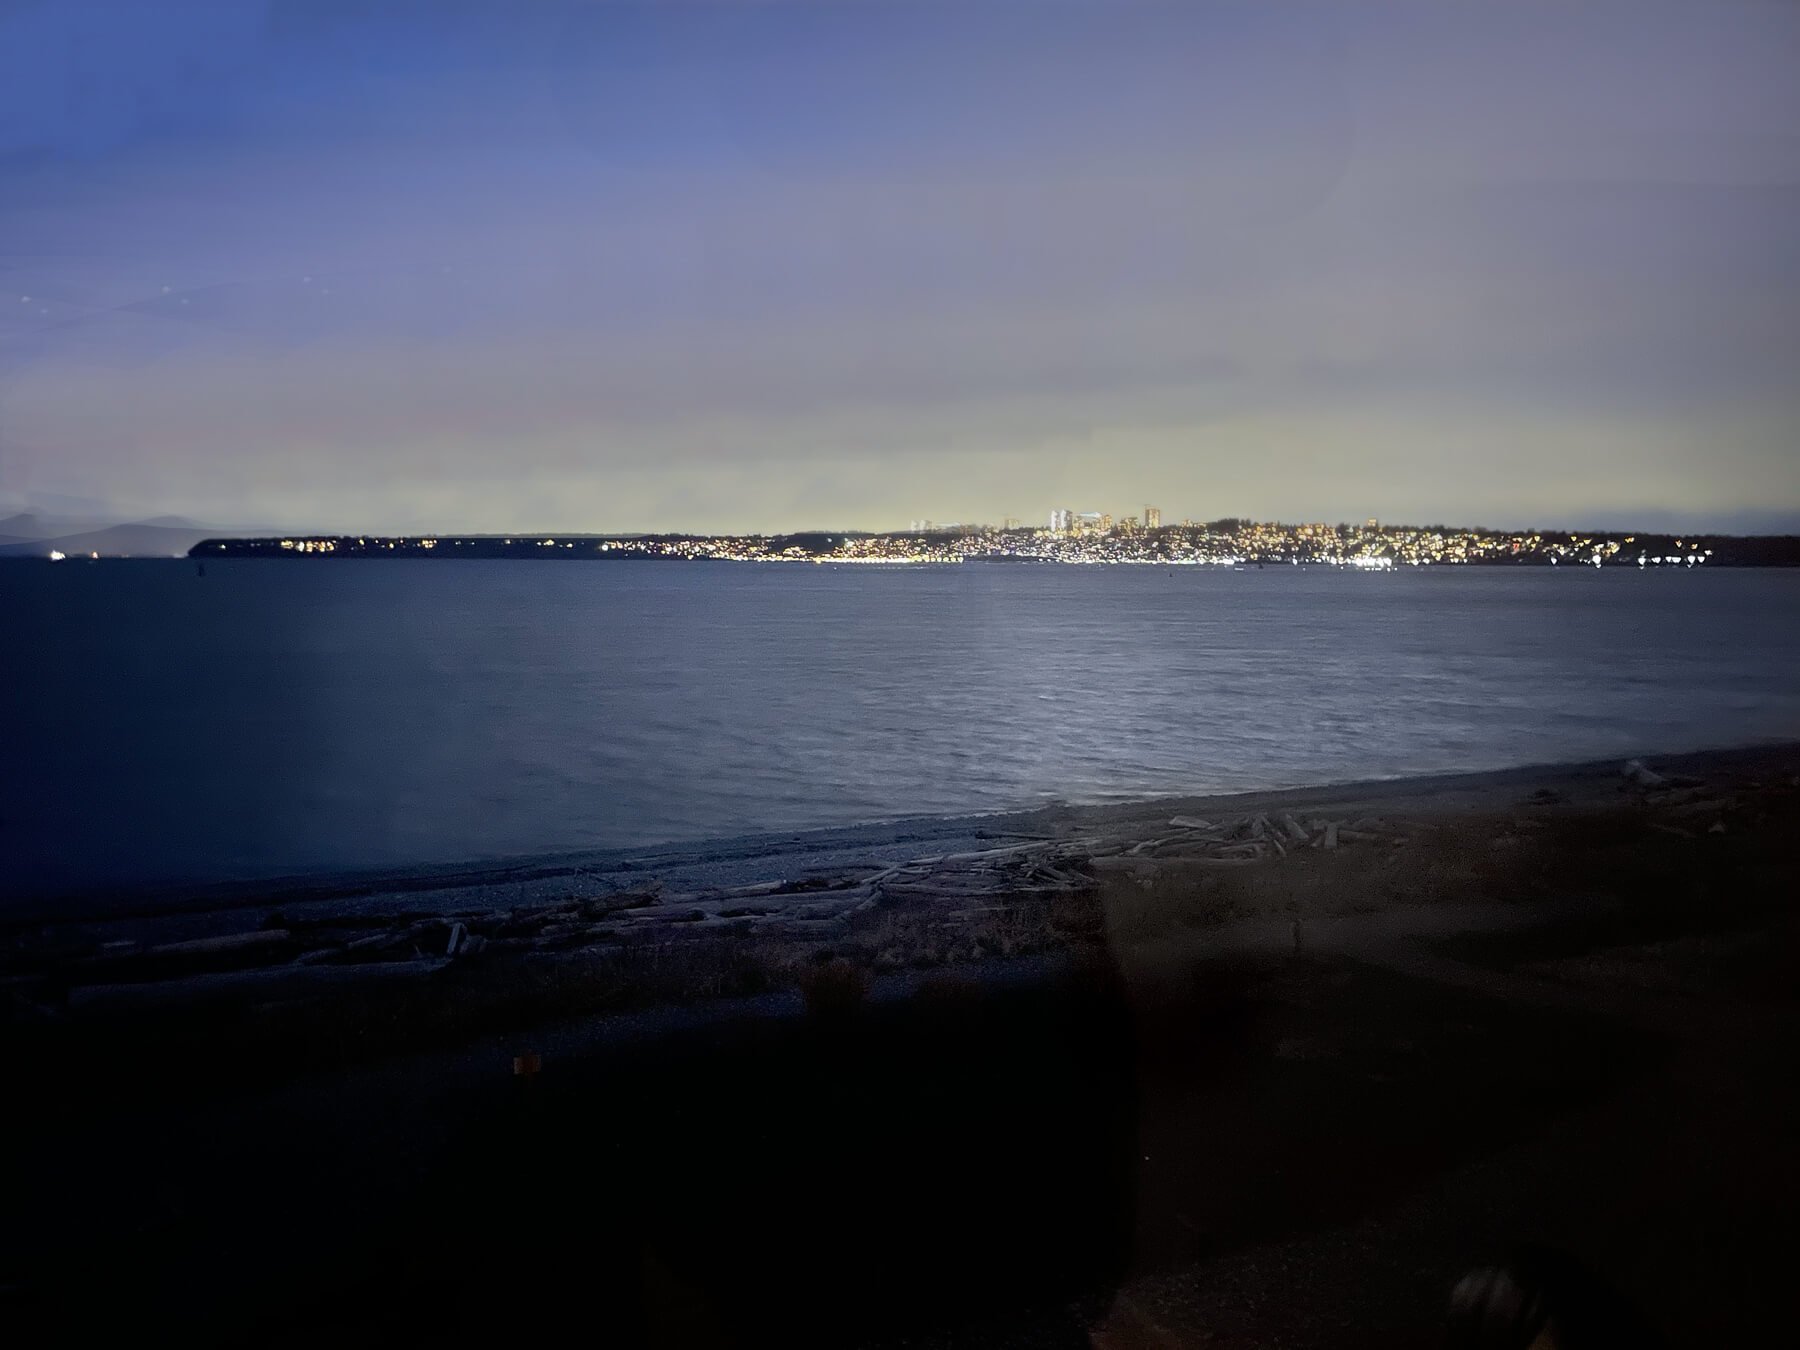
{"points": [[316, 954], [261, 984]]}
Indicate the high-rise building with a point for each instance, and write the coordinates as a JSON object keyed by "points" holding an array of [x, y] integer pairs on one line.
{"points": [[1152, 518], [1106, 524], [1060, 520]]}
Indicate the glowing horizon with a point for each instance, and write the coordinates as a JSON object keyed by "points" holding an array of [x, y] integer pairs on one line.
{"points": [[750, 269]]}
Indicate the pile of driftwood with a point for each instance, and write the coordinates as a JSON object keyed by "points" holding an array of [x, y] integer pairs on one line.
{"points": [[299, 957], [318, 950], [1245, 840], [1683, 806]]}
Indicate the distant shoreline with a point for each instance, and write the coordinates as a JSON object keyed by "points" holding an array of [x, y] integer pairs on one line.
{"points": [[1222, 543], [901, 564]]}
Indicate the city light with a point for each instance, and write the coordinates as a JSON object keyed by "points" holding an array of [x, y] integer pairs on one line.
{"points": [[1070, 537]]}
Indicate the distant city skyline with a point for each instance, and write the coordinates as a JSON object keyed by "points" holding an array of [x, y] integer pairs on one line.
{"points": [[767, 267], [1369, 546], [1067, 536], [57, 514]]}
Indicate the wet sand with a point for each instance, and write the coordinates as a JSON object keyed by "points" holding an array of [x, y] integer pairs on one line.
{"points": [[171, 913]]}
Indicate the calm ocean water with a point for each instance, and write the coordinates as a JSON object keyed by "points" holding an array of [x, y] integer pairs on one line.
{"points": [[275, 717]]}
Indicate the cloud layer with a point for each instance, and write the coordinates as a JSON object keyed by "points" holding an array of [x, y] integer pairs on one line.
{"points": [[761, 267]]}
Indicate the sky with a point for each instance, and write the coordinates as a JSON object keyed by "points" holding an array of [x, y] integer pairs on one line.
{"points": [[456, 265]]}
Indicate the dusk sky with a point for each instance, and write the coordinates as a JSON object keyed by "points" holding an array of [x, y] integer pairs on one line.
{"points": [[760, 266]]}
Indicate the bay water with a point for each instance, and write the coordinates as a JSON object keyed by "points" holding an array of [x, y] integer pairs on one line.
{"points": [[278, 717]]}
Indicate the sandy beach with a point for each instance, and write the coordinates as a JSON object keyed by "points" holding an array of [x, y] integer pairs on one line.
{"points": [[622, 930], [1253, 1070]]}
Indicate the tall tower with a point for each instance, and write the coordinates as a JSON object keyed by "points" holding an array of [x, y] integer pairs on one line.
{"points": [[1152, 518]]}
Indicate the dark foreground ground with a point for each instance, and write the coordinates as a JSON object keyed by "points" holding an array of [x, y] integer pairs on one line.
{"points": [[1284, 1104]]}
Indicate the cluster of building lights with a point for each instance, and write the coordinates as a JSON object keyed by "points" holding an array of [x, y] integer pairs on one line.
{"points": [[1069, 537], [1096, 538]]}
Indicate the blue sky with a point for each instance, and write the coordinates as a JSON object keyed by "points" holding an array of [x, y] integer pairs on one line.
{"points": [[763, 266]]}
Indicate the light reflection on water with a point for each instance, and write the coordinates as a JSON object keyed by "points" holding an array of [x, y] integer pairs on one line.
{"points": [[274, 717]]}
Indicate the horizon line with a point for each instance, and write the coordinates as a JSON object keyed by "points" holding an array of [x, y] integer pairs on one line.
{"points": [[957, 527]]}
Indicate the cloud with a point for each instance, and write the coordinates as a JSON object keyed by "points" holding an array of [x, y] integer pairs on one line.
{"points": [[612, 258]]}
